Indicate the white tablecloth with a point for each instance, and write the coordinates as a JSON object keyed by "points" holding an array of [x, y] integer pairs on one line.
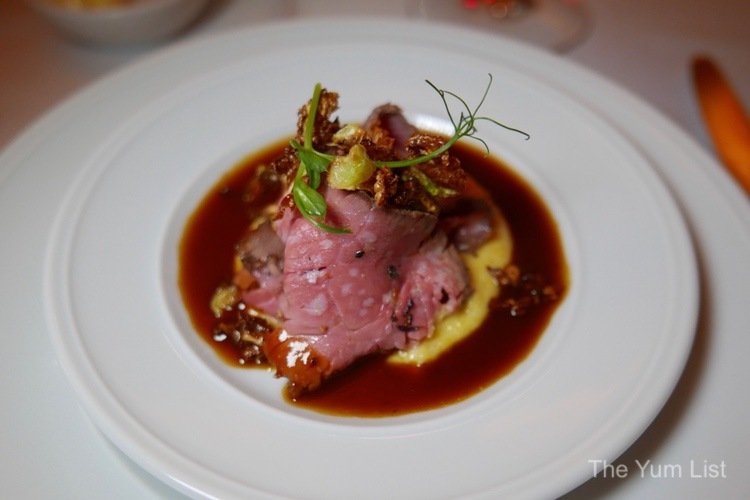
{"points": [[49, 447]]}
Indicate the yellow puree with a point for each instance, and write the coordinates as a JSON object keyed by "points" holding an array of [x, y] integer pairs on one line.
{"points": [[495, 253]]}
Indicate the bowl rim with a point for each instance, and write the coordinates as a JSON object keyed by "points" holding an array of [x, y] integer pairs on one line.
{"points": [[132, 7]]}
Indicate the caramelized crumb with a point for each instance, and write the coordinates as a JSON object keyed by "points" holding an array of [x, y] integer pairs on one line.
{"points": [[521, 291], [245, 331]]}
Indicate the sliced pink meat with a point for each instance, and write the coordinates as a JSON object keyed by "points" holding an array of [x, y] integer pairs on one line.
{"points": [[389, 118], [377, 288], [262, 254]]}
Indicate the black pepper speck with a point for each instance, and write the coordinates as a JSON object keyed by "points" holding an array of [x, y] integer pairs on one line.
{"points": [[392, 272]]}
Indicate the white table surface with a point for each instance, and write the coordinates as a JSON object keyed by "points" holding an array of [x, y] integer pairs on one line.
{"points": [[642, 45]]}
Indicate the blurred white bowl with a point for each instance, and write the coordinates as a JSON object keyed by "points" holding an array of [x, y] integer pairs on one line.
{"points": [[121, 23]]}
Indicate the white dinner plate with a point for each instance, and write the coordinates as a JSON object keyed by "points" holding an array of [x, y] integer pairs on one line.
{"points": [[605, 366]]}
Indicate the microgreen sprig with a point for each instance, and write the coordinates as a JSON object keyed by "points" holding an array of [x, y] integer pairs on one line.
{"points": [[312, 163], [464, 127]]}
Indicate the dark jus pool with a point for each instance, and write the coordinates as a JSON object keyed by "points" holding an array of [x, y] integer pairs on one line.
{"points": [[372, 387]]}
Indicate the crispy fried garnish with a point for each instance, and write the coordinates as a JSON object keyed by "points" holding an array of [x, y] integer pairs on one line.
{"points": [[444, 170], [386, 186], [398, 189], [401, 188]]}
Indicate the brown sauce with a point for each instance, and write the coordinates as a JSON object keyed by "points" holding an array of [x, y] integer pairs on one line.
{"points": [[373, 387]]}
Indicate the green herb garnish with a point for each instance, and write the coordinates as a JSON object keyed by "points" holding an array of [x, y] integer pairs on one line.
{"points": [[464, 127], [313, 164]]}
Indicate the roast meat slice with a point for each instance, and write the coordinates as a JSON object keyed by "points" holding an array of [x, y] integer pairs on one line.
{"points": [[378, 288]]}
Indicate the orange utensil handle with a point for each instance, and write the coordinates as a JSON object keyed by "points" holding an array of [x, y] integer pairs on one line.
{"points": [[725, 118]]}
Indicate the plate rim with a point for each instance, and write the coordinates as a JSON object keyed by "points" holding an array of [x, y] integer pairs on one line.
{"points": [[287, 25]]}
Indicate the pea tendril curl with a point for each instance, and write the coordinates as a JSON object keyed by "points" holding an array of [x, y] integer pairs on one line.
{"points": [[312, 163]]}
